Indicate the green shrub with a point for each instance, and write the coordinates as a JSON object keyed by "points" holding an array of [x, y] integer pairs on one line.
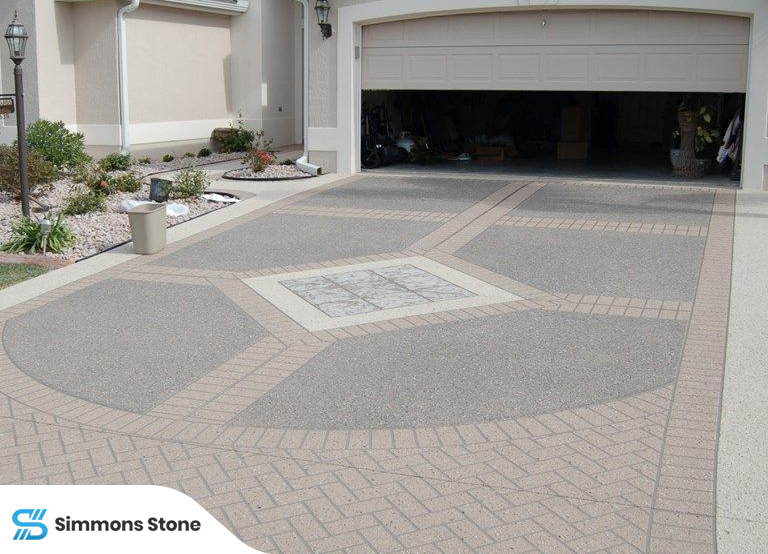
{"points": [[41, 172], [168, 158], [188, 183], [124, 182], [84, 202], [27, 236], [85, 173], [57, 144], [93, 177], [204, 153], [144, 161], [115, 162], [236, 139], [287, 161], [188, 155]]}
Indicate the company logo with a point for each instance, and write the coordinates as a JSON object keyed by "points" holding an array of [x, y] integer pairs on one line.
{"points": [[26, 528]]}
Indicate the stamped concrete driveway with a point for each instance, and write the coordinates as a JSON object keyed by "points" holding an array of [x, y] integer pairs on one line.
{"points": [[401, 364]]}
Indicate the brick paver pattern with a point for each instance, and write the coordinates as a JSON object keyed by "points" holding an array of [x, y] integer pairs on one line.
{"points": [[634, 475]]}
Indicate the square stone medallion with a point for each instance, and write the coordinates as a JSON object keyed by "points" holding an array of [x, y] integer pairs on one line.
{"points": [[330, 298]]}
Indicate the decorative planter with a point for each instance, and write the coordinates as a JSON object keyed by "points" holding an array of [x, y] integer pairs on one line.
{"points": [[687, 166], [159, 189], [704, 166]]}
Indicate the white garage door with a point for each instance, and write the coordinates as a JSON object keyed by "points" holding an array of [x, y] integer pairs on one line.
{"points": [[559, 50]]}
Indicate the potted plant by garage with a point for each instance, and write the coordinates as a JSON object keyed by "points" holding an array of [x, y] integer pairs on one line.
{"points": [[694, 143]]}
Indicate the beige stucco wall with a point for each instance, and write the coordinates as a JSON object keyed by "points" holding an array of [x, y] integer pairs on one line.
{"points": [[322, 111], [26, 15], [54, 37], [95, 53], [278, 69], [266, 68], [178, 65]]}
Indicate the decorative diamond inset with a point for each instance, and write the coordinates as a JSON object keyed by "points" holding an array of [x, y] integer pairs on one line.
{"points": [[369, 290], [330, 298]]}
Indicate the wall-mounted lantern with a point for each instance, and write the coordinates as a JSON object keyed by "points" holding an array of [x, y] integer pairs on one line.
{"points": [[323, 10]]}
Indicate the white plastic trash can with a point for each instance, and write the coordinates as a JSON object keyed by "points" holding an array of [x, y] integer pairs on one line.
{"points": [[147, 228]]}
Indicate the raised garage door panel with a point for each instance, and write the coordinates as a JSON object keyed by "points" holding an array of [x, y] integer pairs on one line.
{"points": [[586, 50]]}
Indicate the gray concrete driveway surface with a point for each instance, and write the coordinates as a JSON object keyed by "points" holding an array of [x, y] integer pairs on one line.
{"points": [[393, 363]]}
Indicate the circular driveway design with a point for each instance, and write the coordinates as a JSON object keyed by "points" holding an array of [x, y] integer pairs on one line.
{"points": [[129, 344], [473, 371]]}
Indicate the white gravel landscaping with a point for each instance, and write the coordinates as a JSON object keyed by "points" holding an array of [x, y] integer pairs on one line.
{"points": [[157, 166], [97, 231], [275, 171]]}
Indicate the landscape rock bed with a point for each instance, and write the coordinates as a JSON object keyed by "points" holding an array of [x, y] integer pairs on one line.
{"points": [[98, 231], [269, 173], [157, 166]]}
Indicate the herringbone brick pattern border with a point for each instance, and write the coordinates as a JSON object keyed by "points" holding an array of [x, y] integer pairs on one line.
{"points": [[686, 482], [631, 475]]}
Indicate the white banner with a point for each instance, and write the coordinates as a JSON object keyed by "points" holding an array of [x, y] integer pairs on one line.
{"points": [[114, 519]]}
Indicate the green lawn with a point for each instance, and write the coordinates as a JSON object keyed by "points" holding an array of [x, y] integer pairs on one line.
{"points": [[10, 274]]}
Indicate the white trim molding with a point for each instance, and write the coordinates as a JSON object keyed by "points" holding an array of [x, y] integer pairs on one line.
{"points": [[350, 20], [227, 7]]}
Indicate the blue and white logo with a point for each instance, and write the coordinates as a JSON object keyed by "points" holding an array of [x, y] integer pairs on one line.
{"points": [[26, 528]]}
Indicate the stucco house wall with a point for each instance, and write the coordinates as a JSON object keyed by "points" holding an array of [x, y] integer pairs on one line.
{"points": [[178, 73], [95, 57], [55, 37], [26, 13], [266, 69]]}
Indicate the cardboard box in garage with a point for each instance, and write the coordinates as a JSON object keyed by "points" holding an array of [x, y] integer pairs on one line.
{"points": [[572, 150], [489, 154], [572, 124]]}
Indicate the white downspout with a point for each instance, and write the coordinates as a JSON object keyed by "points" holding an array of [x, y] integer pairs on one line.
{"points": [[122, 76], [303, 163]]}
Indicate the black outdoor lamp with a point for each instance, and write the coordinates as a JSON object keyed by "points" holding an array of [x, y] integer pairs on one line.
{"points": [[323, 9], [16, 36]]}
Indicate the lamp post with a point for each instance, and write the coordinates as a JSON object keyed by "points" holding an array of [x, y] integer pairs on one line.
{"points": [[323, 9], [17, 37]]}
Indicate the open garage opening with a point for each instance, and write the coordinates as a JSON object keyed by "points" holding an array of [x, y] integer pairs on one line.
{"points": [[550, 134]]}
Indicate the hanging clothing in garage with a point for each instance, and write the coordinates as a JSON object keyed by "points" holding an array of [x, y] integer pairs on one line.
{"points": [[730, 147]]}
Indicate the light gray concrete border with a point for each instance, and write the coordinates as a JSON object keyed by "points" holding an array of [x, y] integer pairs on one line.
{"points": [[742, 481]]}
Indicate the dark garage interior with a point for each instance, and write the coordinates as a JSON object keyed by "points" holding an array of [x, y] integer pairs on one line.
{"points": [[613, 135]]}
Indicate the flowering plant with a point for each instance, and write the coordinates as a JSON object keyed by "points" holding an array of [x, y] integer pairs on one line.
{"points": [[257, 160]]}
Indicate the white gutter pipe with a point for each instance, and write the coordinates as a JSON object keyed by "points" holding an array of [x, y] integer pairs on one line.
{"points": [[302, 163], [122, 77]]}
